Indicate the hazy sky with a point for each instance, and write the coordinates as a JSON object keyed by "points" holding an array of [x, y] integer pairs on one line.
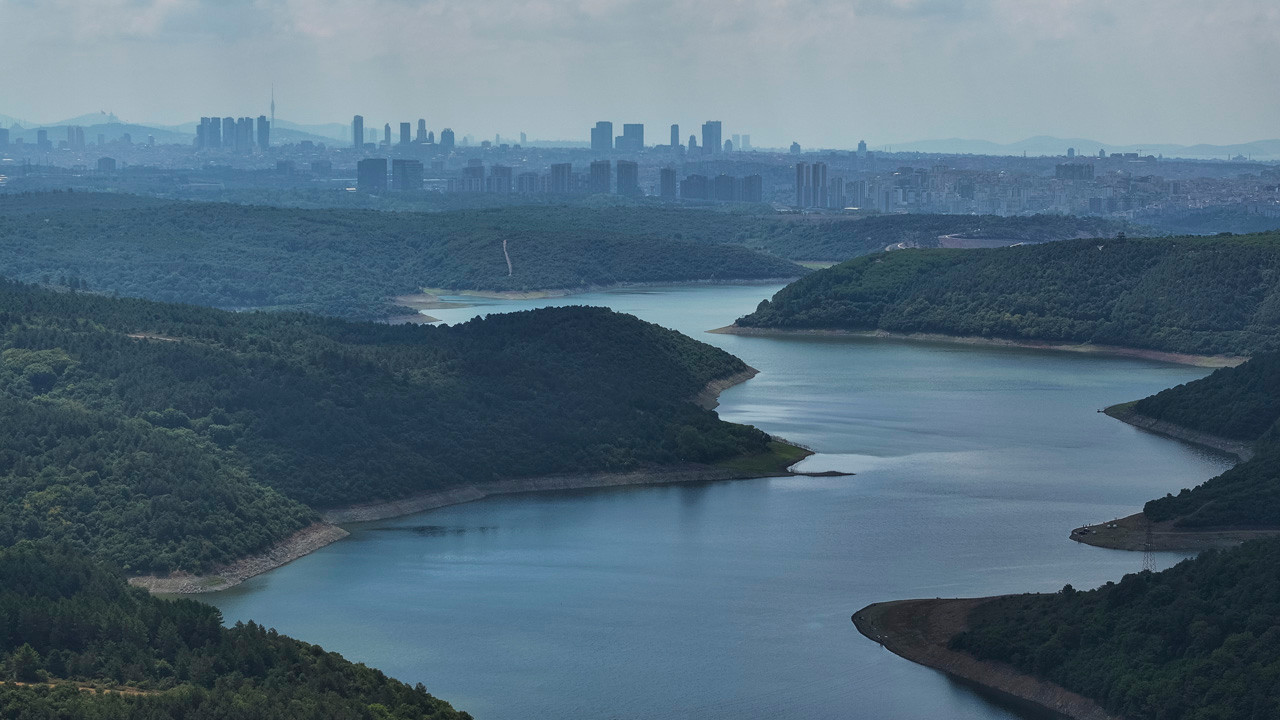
{"points": [[823, 72]]}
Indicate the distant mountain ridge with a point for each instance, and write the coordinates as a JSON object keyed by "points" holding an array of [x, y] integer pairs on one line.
{"points": [[1049, 145]]}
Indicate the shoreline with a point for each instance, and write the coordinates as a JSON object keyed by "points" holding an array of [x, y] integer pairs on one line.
{"points": [[919, 630], [303, 542], [583, 290], [323, 533], [1125, 413], [1206, 361], [665, 475], [1130, 533]]}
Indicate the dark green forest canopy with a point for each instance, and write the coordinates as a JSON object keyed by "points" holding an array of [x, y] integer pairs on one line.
{"points": [[348, 262], [1241, 403], [1191, 295], [345, 263], [1200, 641], [69, 623], [160, 436]]}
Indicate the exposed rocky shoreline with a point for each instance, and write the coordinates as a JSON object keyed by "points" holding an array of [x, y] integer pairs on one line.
{"points": [[1210, 361], [306, 540], [1125, 414], [919, 630], [321, 534]]}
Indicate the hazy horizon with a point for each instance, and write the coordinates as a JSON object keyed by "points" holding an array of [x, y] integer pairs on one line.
{"points": [[820, 72]]}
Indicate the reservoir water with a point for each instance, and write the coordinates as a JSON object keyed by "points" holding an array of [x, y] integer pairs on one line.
{"points": [[732, 600]]}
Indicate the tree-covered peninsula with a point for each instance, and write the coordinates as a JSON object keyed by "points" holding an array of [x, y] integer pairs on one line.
{"points": [[1198, 295], [1240, 404], [1200, 641], [164, 437], [77, 642]]}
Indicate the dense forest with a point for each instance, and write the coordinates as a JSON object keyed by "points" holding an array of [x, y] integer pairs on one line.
{"points": [[1240, 403], [77, 642], [345, 263], [1192, 295], [1200, 641], [349, 262], [160, 436]]}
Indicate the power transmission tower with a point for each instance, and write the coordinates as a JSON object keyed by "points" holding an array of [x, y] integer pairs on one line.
{"points": [[1148, 558]]}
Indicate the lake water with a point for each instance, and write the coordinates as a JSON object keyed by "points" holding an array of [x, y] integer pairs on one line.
{"points": [[732, 600]]}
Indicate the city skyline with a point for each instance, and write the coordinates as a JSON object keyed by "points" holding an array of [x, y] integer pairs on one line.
{"points": [[920, 69]]}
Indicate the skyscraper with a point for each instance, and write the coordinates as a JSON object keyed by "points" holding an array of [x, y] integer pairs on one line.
{"points": [[264, 132], [386, 135], [602, 136], [675, 136], [599, 180], [422, 131], [711, 143], [693, 145], [446, 140], [818, 183], [746, 143], [357, 131], [632, 138], [802, 184], [628, 178], [229, 133], [406, 137], [371, 175]]}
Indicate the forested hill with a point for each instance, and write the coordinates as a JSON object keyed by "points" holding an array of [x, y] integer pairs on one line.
{"points": [[348, 263], [1241, 403], [68, 626], [1200, 641], [160, 436], [1190, 295]]}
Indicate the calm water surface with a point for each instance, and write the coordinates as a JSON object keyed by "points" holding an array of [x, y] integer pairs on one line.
{"points": [[732, 600]]}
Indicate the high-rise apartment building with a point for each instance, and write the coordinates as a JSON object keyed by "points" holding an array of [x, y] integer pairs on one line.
{"points": [[675, 136], [599, 182], [751, 189], [562, 178], [803, 193], [667, 183], [406, 137], [386, 135], [264, 132], [818, 183], [628, 178], [229, 133], [357, 131], [711, 142], [499, 179]]}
